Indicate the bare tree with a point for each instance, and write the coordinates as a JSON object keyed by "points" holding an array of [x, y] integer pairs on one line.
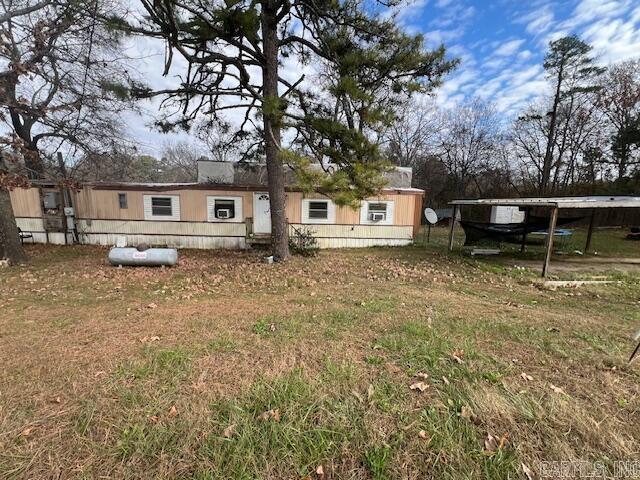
{"points": [[468, 142], [180, 161], [413, 136], [619, 100], [63, 83]]}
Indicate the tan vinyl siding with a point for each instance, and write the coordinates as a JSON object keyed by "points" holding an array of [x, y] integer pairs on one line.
{"points": [[103, 204], [25, 202], [417, 214], [293, 207], [403, 208], [403, 213], [347, 215], [94, 203]]}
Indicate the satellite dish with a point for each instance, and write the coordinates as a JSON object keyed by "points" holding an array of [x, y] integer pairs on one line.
{"points": [[431, 216]]}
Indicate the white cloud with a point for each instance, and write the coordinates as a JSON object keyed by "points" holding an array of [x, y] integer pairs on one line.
{"points": [[538, 21], [508, 48]]}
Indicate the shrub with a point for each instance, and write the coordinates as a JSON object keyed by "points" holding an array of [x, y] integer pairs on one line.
{"points": [[302, 242]]}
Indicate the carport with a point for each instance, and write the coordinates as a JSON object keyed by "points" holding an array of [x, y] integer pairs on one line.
{"points": [[555, 204]]}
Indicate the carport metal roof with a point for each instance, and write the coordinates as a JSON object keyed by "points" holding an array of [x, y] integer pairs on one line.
{"points": [[596, 201], [555, 204]]}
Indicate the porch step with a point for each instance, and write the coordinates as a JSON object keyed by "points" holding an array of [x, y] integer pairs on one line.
{"points": [[259, 240]]}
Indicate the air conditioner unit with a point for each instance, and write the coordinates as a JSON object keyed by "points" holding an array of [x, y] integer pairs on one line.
{"points": [[377, 216], [223, 213]]}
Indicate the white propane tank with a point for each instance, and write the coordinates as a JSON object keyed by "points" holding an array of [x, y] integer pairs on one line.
{"points": [[151, 257]]}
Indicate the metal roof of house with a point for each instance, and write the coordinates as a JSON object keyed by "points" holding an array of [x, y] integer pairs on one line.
{"points": [[594, 201], [162, 186]]}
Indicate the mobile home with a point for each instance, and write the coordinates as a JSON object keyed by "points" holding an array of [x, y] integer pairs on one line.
{"points": [[231, 212]]}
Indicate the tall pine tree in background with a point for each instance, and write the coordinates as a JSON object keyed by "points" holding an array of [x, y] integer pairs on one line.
{"points": [[233, 55], [572, 72]]}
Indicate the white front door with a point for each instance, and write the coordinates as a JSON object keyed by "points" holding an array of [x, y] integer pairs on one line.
{"points": [[261, 213]]}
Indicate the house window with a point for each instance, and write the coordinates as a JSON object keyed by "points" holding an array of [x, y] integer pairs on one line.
{"points": [[377, 212], [122, 200], [161, 207], [165, 208], [224, 209], [318, 210]]}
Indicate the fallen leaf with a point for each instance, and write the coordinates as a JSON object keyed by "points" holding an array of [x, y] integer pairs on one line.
{"points": [[466, 412], [527, 471], [173, 411], [358, 396], [457, 355], [273, 414], [370, 392], [526, 377], [424, 376], [423, 435], [153, 419], [419, 386], [27, 431], [503, 441], [490, 444], [229, 431], [320, 471], [557, 390]]}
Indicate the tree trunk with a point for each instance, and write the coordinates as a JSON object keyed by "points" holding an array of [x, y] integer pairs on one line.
{"points": [[271, 119], [10, 245], [548, 155]]}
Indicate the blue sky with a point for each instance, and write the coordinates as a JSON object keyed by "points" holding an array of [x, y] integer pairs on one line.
{"points": [[501, 46]]}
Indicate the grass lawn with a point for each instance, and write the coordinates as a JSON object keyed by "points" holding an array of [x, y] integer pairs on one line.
{"points": [[375, 363]]}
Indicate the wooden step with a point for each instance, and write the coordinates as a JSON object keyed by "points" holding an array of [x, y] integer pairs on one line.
{"points": [[259, 240]]}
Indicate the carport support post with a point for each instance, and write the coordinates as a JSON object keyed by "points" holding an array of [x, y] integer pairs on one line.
{"points": [[524, 232], [453, 226], [587, 245], [549, 242]]}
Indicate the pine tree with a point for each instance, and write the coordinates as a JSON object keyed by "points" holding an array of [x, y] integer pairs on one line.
{"points": [[572, 72], [234, 52]]}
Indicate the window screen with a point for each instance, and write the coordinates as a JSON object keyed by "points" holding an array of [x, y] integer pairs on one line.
{"points": [[161, 207], [122, 200], [224, 208], [319, 210], [378, 207]]}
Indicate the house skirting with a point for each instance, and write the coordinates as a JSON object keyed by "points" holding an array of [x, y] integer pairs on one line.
{"points": [[204, 235], [35, 226], [357, 236]]}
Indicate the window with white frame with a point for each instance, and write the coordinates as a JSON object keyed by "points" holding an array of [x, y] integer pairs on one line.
{"points": [[162, 207], [224, 209], [376, 212], [318, 211]]}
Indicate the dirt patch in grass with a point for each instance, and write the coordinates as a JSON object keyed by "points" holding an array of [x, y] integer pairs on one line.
{"points": [[225, 367]]}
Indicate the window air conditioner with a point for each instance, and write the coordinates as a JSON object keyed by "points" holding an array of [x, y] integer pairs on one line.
{"points": [[223, 213], [377, 216]]}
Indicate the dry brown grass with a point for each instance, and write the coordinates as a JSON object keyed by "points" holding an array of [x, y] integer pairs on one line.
{"points": [[136, 373]]}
